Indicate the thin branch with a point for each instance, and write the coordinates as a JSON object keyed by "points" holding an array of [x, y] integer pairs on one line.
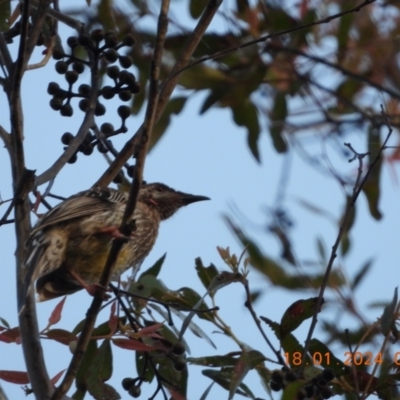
{"points": [[5, 56], [62, 17], [166, 90], [272, 35], [249, 306], [359, 184]]}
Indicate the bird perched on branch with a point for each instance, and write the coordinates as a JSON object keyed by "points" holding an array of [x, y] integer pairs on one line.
{"points": [[68, 247]]}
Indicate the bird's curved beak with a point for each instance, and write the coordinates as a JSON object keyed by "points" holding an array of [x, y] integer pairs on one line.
{"points": [[191, 198]]}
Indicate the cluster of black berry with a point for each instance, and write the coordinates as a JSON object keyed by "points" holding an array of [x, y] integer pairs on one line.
{"points": [[174, 352], [99, 47], [95, 51], [317, 388]]}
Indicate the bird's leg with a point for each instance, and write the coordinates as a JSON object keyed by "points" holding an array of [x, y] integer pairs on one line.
{"points": [[93, 289], [114, 232]]}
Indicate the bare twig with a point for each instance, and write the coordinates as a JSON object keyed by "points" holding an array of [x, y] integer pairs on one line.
{"points": [[249, 306], [359, 184]]}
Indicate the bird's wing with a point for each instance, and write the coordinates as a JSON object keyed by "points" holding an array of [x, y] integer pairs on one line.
{"points": [[83, 204]]}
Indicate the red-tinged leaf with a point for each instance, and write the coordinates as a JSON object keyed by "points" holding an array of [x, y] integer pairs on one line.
{"points": [[150, 330], [10, 336], [60, 335], [55, 378], [18, 377], [55, 316], [113, 321], [130, 344], [298, 312], [175, 395]]}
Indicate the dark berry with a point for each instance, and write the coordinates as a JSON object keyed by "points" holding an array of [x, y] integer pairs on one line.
{"points": [[127, 383], [275, 386], [290, 376], [108, 92], [123, 77], [178, 348], [119, 178], [102, 148], [87, 150], [110, 39], [58, 54], [310, 390], [326, 392], [66, 110], [73, 159], [301, 395], [78, 67], [124, 112], [277, 376], [111, 55], [71, 77], [61, 67], [85, 40], [125, 95], [56, 103], [72, 41], [84, 89], [97, 35], [134, 87], [41, 40], [135, 391], [128, 40], [99, 110], [66, 138], [107, 128], [179, 364], [130, 171], [328, 374], [125, 61], [53, 88], [113, 72], [83, 105]]}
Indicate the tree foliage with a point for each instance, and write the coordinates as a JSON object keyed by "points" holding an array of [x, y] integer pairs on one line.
{"points": [[318, 69]]}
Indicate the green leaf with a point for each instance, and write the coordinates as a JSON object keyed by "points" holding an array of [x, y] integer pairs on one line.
{"points": [[223, 378], [320, 351], [207, 391], [105, 11], [291, 390], [278, 116], [360, 275], [388, 319], [101, 367], [87, 360], [248, 360], [245, 114], [206, 274], [5, 12], [298, 312], [155, 269], [371, 187], [213, 361], [196, 8]]}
